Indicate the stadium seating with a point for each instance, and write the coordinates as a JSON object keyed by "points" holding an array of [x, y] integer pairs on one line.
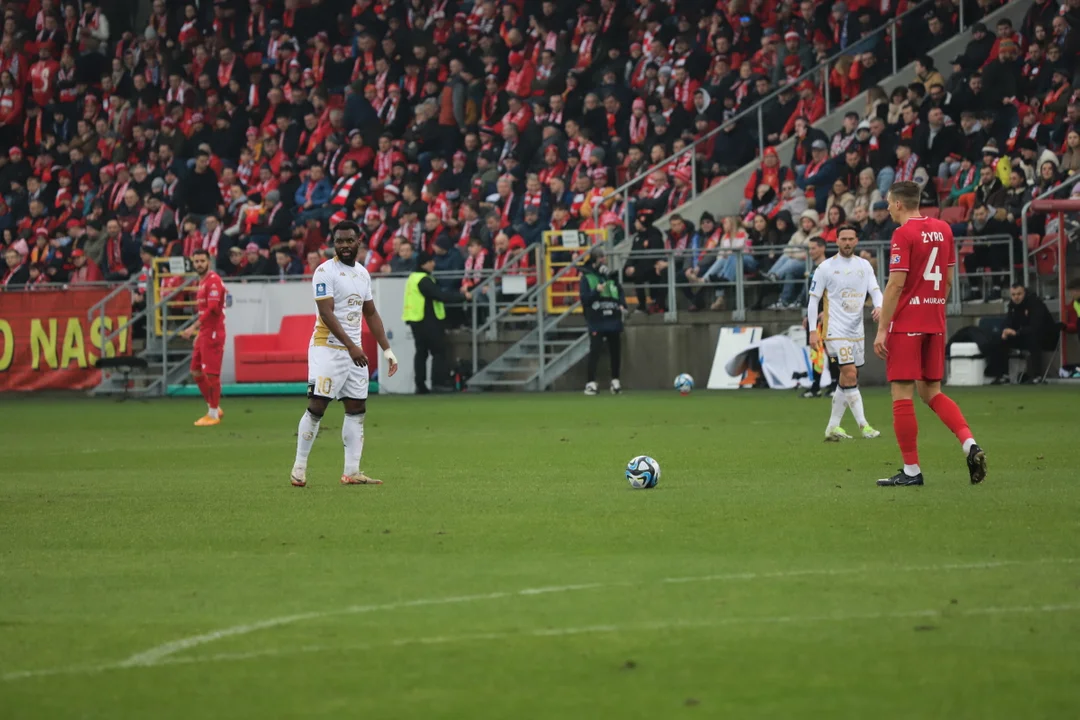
{"points": [[276, 357], [571, 96]]}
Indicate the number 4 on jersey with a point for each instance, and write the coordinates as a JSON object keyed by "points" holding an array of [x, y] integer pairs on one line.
{"points": [[933, 270]]}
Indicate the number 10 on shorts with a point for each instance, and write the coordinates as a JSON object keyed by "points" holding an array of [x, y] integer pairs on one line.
{"points": [[323, 385]]}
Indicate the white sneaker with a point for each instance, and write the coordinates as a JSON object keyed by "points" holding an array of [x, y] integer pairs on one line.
{"points": [[836, 434], [298, 477], [869, 433], [591, 388], [616, 387]]}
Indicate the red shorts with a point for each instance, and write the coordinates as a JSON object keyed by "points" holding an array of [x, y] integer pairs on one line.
{"points": [[208, 355], [915, 356]]}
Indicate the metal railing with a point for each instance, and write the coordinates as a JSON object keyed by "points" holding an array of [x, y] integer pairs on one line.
{"points": [[748, 270], [535, 297], [1030, 253], [822, 69]]}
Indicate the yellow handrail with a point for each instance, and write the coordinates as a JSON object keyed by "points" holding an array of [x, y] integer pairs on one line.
{"points": [[177, 308], [563, 248]]}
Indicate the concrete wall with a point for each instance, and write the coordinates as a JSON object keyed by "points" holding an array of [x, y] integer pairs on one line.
{"points": [[655, 352], [724, 197]]}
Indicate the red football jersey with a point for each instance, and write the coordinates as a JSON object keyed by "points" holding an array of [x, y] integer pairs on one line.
{"points": [[924, 249], [211, 303]]}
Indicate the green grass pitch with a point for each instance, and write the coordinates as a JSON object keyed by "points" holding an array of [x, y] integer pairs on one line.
{"points": [[151, 569]]}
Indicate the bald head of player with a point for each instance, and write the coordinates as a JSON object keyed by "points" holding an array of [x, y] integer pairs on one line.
{"points": [[847, 237], [903, 199], [346, 236]]}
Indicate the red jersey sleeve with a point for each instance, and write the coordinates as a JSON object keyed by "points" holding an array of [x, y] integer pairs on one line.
{"points": [[900, 251], [212, 302]]}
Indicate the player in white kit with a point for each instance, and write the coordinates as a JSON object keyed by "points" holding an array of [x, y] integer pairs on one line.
{"points": [[337, 364], [844, 281]]}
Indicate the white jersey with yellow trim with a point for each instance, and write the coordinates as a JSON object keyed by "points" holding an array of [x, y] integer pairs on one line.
{"points": [[350, 287], [844, 284]]}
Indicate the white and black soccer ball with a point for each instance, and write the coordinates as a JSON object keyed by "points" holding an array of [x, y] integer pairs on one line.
{"points": [[684, 383], [642, 472]]}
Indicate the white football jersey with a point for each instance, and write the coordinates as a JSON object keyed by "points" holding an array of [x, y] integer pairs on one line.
{"points": [[844, 284], [350, 287]]}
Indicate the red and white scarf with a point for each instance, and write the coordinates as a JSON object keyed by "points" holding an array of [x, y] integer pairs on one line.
{"points": [[639, 129], [585, 50], [384, 165], [466, 232], [905, 171], [342, 189], [474, 267]]}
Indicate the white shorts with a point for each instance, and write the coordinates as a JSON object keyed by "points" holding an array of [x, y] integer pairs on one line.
{"points": [[847, 352], [333, 374]]}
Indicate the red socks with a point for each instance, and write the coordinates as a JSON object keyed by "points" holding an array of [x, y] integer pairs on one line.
{"points": [[906, 427], [213, 383], [950, 414], [203, 381]]}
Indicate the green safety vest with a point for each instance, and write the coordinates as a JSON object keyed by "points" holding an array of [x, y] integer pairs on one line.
{"points": [[414, 300]]}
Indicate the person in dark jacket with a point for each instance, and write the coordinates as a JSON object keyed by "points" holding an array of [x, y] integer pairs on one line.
{"points": [[425, 312], [199, 193], [993, 256], [642, 270], [603, 301], [1029, 328]]}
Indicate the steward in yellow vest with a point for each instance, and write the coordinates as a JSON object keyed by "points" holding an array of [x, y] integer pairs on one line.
{"points": [[424, 311]]}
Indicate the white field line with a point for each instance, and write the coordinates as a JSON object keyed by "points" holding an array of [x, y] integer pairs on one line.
{"points": [[558, 632], [155, 655]]}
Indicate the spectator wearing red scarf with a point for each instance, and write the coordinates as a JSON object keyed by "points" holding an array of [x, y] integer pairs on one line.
{"points": [[769, 173], [811, 105]]}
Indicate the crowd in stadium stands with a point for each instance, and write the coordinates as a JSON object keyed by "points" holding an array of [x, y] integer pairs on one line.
{"points": [[137, 130]]}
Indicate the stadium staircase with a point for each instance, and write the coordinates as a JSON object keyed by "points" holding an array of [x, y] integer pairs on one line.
{"points": [[164, 357], [723, 198], [548, 343]]}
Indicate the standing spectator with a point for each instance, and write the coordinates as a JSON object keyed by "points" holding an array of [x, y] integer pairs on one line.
{"points": [[199, 193], [994, 258]]}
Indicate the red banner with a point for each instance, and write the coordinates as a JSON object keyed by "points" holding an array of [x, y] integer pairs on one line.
{"points": [[48, 343]]}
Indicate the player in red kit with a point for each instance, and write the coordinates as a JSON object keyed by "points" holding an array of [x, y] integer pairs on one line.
{"points": [[911, 332], [210, 342]]}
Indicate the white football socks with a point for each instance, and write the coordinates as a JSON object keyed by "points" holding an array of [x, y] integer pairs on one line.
{"points": [[912, 470], [854, 401], [212, 412], [352, 436], [839, 404], [967, 445], [305, 438]]}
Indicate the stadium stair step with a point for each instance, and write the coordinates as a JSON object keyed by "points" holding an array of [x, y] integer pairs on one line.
{"points": [[520, 365]]}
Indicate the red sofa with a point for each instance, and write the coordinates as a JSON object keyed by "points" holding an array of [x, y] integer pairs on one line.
{"points": [[282, 356]]}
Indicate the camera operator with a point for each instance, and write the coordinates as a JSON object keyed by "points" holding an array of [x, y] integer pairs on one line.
{"points": [[603, 302]]}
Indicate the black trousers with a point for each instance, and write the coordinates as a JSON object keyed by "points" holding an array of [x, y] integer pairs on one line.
{"points": [[430, 339], [596, 348], [650, 284], [1027, 339]]}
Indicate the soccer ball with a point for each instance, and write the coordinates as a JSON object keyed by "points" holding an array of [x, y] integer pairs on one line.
{"points": [[642, 472], [684, 383]]}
